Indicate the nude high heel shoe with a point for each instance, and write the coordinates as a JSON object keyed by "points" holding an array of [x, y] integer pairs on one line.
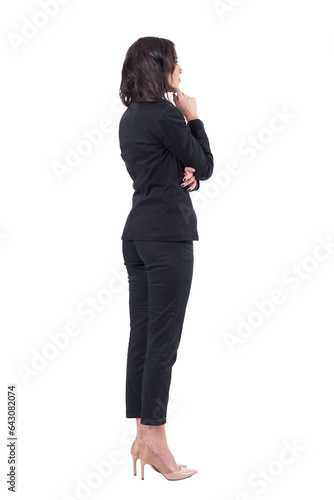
{"points": [[136, 447], [147, 456]]}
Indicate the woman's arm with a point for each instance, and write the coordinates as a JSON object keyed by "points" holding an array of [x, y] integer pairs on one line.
{"points": [[188, 142]]}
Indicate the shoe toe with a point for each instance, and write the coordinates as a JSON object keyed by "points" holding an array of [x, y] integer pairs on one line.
{"points": [[186, 471]]}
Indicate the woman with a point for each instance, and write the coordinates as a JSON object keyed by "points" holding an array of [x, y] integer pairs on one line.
{"points": [[165, 157]]}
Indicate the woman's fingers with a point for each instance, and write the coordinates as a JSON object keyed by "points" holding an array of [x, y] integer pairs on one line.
{"points": [[189, 169], [186, 178], [189, 180], [187, 172], [192, 185]]}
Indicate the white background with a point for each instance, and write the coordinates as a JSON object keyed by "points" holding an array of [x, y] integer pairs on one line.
{"points": [[231, 411]]}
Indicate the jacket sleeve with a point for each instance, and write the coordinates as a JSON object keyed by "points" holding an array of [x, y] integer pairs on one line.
{"points": [[197, 185], [187, 141]]}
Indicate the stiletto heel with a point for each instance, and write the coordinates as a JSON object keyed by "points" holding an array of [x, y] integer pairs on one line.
{"points": [[136, 448], [142, 465], [134, 458]]}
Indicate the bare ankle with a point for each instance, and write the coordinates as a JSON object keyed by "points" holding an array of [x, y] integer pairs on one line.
{"points": [[142, 431], [157, 441]]}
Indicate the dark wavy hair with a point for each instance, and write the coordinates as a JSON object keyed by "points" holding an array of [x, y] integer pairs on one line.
{"points": [[148, 63]]}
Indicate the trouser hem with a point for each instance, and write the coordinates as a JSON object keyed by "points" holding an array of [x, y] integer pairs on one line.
{"points": [[145, 421], [153, 421], [132, 414]]}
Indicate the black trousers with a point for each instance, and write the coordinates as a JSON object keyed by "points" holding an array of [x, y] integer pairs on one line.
{"points": [[159, 276]]}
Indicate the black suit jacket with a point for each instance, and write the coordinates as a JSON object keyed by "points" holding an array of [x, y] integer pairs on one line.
{"points": [[156, 144]]}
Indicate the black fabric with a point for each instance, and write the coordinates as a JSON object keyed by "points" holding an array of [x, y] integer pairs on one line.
{"points": [[160, 275], [156, 144]]}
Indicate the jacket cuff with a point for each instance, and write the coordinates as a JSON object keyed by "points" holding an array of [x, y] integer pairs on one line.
{"points": [[195, 123], [197, 184]]}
